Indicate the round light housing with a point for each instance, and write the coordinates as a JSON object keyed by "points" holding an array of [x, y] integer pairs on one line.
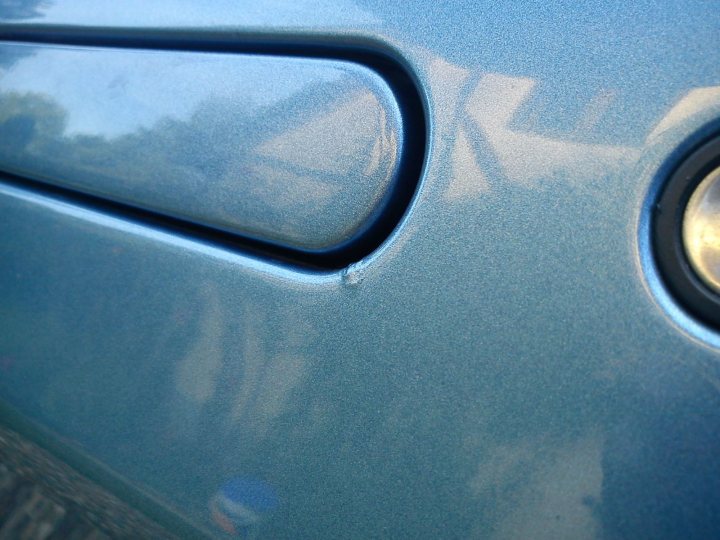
{"points": [[686, 232]]}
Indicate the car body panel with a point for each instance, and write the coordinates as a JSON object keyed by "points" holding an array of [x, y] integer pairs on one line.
{"points": [[316, 158], [507, 364]]}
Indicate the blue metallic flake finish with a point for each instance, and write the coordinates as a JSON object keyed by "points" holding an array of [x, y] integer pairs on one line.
{"points": [[293, 151], [506, 365]]}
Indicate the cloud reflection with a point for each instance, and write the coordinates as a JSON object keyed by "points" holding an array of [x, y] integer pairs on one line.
{"points": [[526, 158]]}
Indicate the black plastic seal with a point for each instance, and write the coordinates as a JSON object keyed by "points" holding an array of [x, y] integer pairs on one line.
{"points": [[668, 245]]}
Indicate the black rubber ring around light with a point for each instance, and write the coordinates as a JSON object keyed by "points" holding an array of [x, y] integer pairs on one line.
{"points": [[668, 246]]}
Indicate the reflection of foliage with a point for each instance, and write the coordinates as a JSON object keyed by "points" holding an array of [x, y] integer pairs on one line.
{"points": [[19, 10], [32, 130], [36, 123], [27, 119], [193, 166], [22, 9], [114, 369]]}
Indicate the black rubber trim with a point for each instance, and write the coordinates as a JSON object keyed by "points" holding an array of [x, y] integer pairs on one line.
{"points": [[377, 56], [672, 260]]}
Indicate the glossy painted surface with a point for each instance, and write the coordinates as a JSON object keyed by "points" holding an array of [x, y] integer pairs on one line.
{"points": [[507, 365], [294, 151]]}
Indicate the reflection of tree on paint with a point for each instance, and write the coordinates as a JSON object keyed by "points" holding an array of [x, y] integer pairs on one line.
{"points": [[203, 165], [420, 446], [17, 10], [22, 9], [36, 124], [29, 119]]}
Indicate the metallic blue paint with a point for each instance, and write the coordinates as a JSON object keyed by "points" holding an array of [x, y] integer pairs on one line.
{"points": [[294, 151], [506, 365]]}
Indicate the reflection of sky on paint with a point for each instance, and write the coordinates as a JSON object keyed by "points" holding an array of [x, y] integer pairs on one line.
{"points": [[484, 121], [219, 12], [145, 86]]}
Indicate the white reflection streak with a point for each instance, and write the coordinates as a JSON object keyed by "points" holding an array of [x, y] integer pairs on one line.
{"points": [[560, 485], [197, 370], [319, 144], [268, 379], [694, 102], [262, 391], [527, 157], [287, 189], [449, 81], [329, 143], [467, 177], [560, 480], [306, 168]]}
